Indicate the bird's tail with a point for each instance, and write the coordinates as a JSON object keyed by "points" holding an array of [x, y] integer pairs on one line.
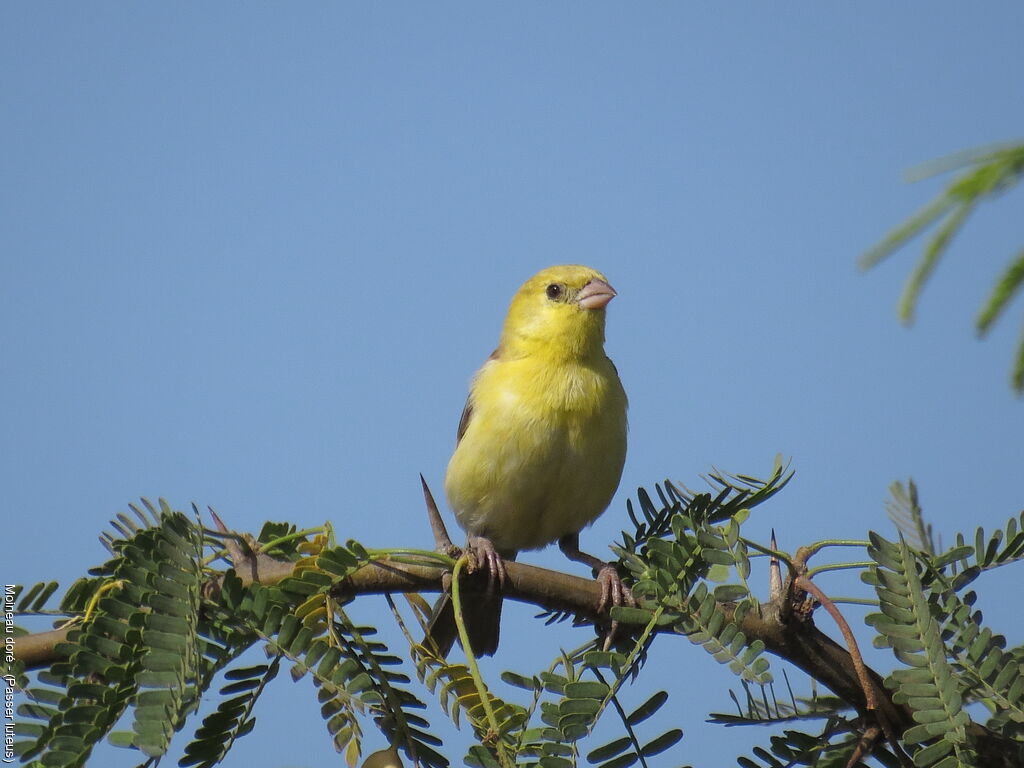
{"points": [[482, 614]]}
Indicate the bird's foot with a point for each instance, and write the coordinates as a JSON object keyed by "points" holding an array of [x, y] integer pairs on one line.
{"points": [[613, 594], [485, 556], [613, 591]]}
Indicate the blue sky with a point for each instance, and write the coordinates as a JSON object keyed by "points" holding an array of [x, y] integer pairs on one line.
{"points": [[251, 255]]}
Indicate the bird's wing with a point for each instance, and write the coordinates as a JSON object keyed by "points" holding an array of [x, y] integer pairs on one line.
{"points": [[467, 414], [483, 613], [467, 410]]}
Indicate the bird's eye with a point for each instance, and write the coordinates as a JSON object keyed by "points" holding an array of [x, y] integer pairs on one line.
{"points": [[554, 291]]}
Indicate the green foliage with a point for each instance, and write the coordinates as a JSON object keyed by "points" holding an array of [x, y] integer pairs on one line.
{"points": [[146, 516], [457, 693], [1002, 547], [673, 553], [155, 630], [905, 513], [676, 549], [927, 683], [149, 657], [169, 669], [766, 709], [570, 697], [35, 598], [233, 718], [352, 672], [987, 673], [831, 745], [990, 172], [928, 618]]}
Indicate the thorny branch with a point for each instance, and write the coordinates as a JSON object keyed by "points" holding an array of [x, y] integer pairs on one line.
{"points": [[786, 633]]}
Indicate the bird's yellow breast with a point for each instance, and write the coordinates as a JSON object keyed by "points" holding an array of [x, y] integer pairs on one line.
{"points": [[543, 451]]}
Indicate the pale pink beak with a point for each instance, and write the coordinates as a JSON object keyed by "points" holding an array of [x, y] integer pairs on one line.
{"points": [[595, 295]]}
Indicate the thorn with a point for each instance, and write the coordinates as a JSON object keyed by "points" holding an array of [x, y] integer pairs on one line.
{"points": [[217, 521], [239, 557], [774, 574], [442, 541]]}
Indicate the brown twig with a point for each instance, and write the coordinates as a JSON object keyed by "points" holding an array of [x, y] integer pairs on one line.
{"points": [[865, 745], [867, 686], [804, 583]]}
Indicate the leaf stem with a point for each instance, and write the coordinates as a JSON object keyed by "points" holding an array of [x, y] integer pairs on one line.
{"points": [[820, 545], [264, 546], [474, 669], [839, 567], [417, 556], [625, 720], [867, 687], [768, 551], [90, 607]]}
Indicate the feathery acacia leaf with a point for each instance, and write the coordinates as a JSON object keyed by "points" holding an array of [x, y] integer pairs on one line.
{"points": [[152, 634], [990, 172], [928, 683]]}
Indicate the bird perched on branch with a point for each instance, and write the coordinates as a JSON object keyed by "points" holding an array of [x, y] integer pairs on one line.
{"points": [[541, 442]]}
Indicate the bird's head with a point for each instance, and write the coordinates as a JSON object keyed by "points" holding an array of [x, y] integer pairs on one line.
{"points": [[559, 312]]}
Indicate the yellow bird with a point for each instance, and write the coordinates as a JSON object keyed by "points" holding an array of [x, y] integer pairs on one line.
{"points": [[541, 442]]}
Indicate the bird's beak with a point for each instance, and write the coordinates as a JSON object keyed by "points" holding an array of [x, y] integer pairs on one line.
{"points": [[595, 295]]}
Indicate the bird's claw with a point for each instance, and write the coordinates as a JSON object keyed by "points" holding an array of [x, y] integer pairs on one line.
{"points": [[613, 591], [613, 594], [486, 556]]}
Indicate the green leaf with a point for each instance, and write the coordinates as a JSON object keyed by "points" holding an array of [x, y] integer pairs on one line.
{"points": [[587, 707], [628, 615], [590, 689], [933, 753], [663, 742], [648, 708], [554, 762], [728, 593], [622, 761], [121, 738], [609, 750], [719, 573], [521, 681], [1009, 283], [991, 173], [718, 557]]}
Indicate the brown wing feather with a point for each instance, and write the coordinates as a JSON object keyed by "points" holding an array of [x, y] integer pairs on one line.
{"points": [[483, 611], [467, 413], [467, 410]]}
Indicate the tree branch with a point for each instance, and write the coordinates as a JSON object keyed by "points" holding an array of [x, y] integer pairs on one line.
{"points": [[798, 642]]}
